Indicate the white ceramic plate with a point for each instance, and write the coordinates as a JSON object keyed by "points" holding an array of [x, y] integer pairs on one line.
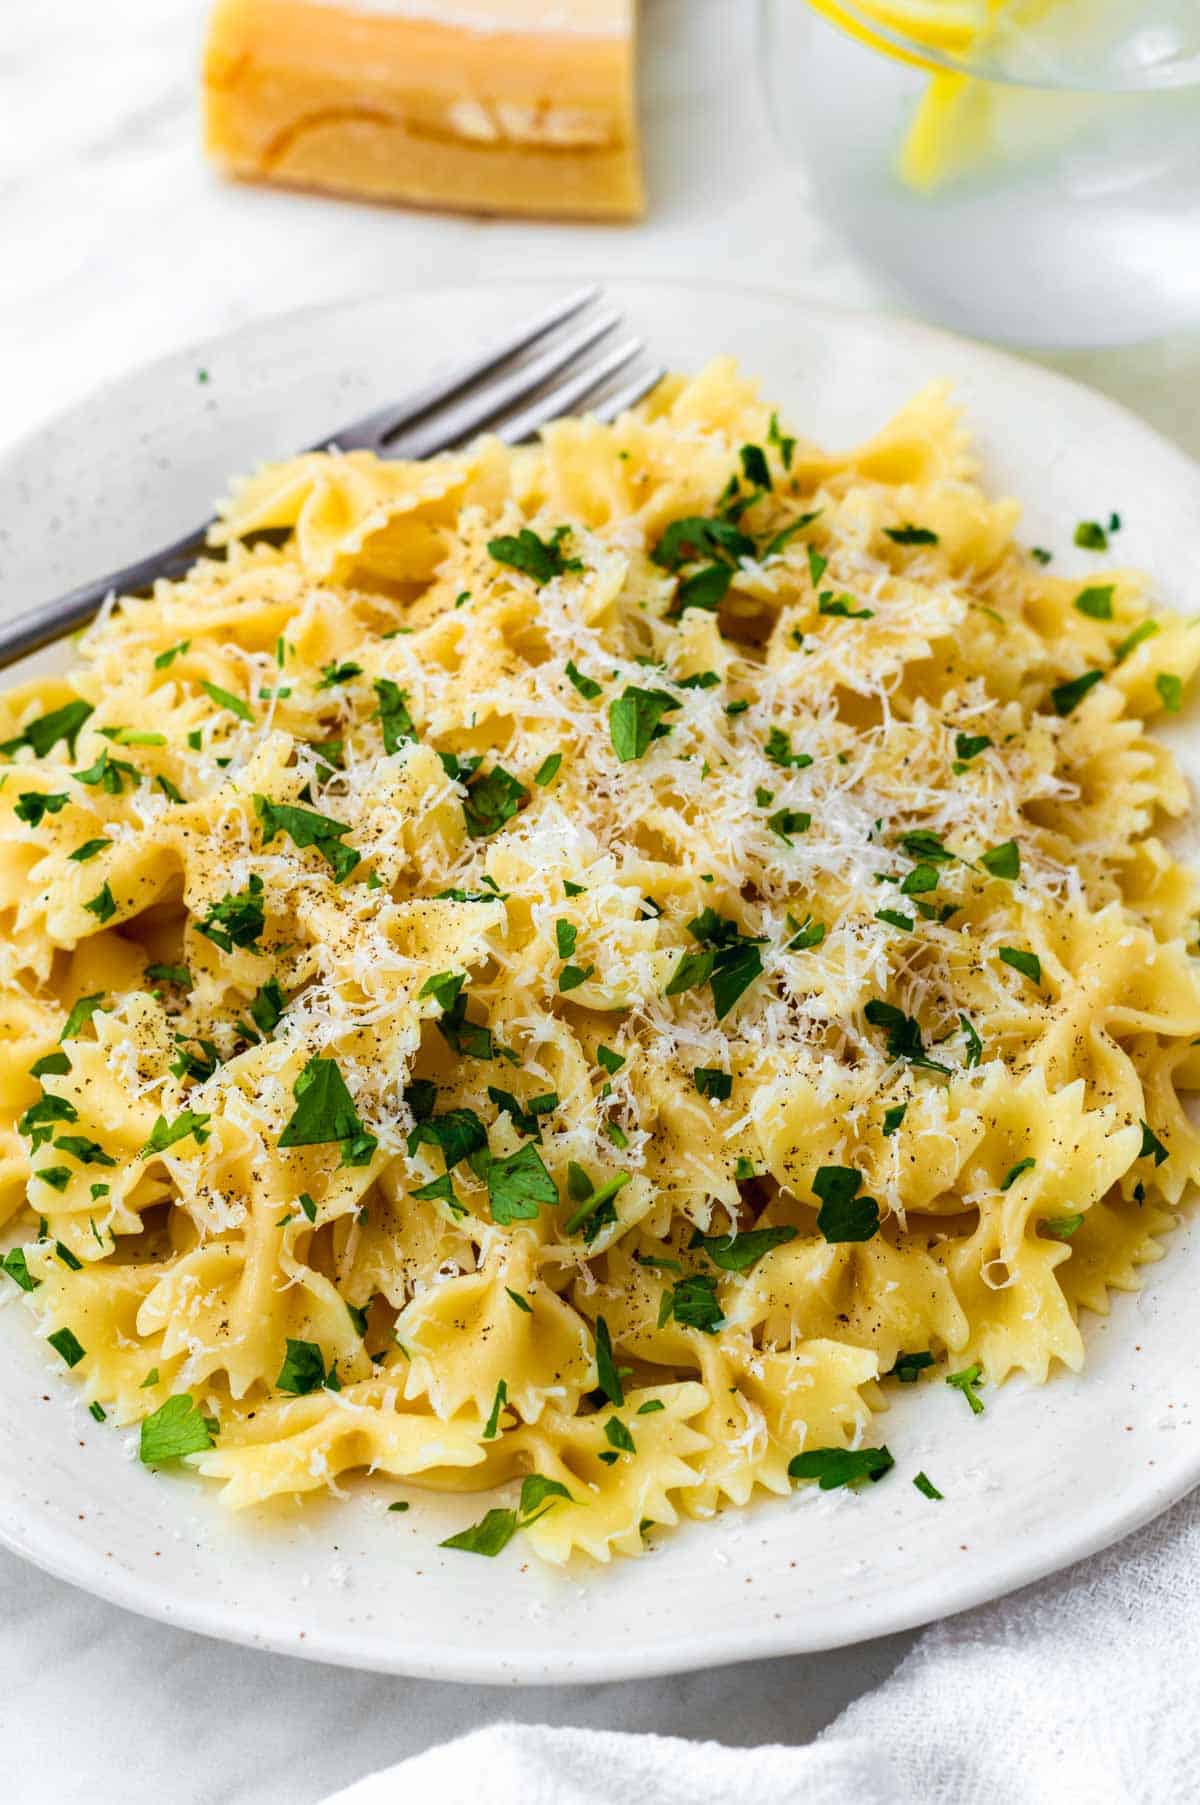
{"points": [[1045, 1477]]}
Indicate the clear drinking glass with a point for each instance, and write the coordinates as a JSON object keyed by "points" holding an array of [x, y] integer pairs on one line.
{"points": [[1038, 184]]}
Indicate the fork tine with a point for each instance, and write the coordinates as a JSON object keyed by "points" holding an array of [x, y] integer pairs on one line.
{"points": [[370, 432], [566, 396], [454, 425], [629, 393]]}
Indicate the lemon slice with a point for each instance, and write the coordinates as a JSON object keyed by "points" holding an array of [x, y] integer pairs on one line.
{"points": [[948, 26], [954, 126]]}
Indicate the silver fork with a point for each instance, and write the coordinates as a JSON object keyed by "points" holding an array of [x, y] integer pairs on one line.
{"points": [[564, 359]]}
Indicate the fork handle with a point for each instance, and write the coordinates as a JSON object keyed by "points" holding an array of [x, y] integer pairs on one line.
{"points": [[38, 627]]}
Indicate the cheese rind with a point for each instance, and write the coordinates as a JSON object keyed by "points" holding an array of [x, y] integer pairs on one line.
{"points": [[480, 108]]}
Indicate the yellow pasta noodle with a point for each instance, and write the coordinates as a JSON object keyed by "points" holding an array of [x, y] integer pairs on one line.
{"points": [[584, 959]]}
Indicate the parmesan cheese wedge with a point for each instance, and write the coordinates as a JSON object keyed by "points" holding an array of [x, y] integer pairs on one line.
{"points": [[495, 106]]}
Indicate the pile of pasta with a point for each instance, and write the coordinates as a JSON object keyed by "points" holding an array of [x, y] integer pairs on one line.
{"points": [[569, 965]]}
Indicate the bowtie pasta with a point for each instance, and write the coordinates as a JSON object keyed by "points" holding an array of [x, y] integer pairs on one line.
{"points": [[564, 967]]}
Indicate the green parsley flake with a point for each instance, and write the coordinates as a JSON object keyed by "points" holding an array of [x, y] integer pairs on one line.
{"points": [[237, 920], [1096, 601], [1003, 861], [1066, 697], [966, 1382], [325, 1112], [165, 1134], [844, 1215], [43, 734], [1028, 964], [1091, 536], [541, 559], [739, 1252], [835, 1467], [225, 698], [305, 828], [176, 1429], [64, 1342], [303, 1369], [81, 1014], [491, 801], [519, 1185], [634, 720]]}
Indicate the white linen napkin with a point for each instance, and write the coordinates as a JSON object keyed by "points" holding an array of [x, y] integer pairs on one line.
{"points": [[1081, 1689]]}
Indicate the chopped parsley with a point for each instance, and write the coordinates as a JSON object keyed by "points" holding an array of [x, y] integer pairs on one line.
{"points": [[730, 963], [1170, 691], [617, 1436], [171, 654], [711, 1082], [82, 1011], [739, 1252], [32, 806], [1060, 1228], [1066, 697], [835, 1467], [1144, 630], [492, 1427], [1014, 1172], [64, 1342], [909, 1367], [1091, 536], [541, 559], [88, 850], [339, 672], [755, 468], [1003, 860], [1096, 601], [109, 774], [548, 770], [597, 1208], [325, 1112], [788, 821], [844, 1214], [225, 698], [974, 1043], [395, 722], [42, 735], [607, 1376], [494, 1531], [588, 688], [303, 1369], [903, 1035], [893, 1117], [692, 1302], [491, 801], [17, 1268], [1028, 964], [926, 1487], [518, 1185], [910, 535], [635, 718], [165, 1134], [237, 920], [305, 828], [1151, 1145], [175, 1429], [966, 1382], [968, 746], [102, 905]]}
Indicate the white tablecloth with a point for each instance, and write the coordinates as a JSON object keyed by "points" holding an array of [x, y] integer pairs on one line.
{"points": [[115, 244]]}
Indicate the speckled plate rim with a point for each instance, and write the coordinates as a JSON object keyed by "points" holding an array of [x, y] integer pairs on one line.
{"points": [[537, 1629]]}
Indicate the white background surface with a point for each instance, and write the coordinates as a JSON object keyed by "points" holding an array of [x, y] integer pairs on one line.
{"points": [[115, 244]]}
